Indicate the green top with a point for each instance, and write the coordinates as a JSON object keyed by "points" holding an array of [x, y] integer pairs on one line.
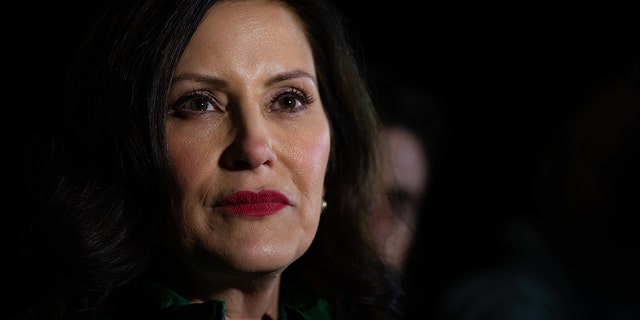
{"points": [[155, 301]]}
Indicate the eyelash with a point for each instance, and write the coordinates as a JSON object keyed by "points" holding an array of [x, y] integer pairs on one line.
{"points": [[302, 99], [183, 106]]}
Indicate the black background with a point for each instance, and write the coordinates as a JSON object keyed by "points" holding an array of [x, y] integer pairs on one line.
{"points": [[513, 81]]}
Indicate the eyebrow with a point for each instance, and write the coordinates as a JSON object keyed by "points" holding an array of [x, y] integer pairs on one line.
{"points": [[212, 81], [290, 75], [217, 82]]}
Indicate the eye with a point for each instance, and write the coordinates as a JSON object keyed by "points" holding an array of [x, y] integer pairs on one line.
{"points": [[400, 201], [199, 104], [290, 100], [193, 104]]}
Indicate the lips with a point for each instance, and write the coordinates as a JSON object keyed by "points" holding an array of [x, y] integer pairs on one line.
{"points": [[253, 204]]}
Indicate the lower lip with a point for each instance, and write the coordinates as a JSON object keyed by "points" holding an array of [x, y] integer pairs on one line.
{"points": [[254, 209]]}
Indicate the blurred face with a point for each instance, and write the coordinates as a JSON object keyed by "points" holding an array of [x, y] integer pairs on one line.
{"points": [[248, 140], [404, 175]]}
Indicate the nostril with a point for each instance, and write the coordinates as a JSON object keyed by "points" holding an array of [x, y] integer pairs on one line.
{"points": [[235, 165], [233, 160], [246, 154]]}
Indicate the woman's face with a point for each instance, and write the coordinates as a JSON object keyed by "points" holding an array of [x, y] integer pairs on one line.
{"points": [[248, 139]]}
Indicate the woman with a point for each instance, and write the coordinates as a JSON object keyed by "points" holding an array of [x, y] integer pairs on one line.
{"points": [[189, 175]]}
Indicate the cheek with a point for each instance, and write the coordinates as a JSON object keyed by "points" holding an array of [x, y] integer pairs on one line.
{"points": [[187, 156], [179, 156], [311, 157], [193, 148]]}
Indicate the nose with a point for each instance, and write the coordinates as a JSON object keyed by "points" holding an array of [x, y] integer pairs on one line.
{"points": [[251, 146]]}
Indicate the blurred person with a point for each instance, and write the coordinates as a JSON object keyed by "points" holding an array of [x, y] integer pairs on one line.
{"points": [[407, 149], [404, 167]]}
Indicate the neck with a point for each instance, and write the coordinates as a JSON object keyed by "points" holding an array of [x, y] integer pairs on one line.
{"points": [[247, 295], [260, 304]]}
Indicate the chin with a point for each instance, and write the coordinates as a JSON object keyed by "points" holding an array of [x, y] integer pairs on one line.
{"points": [[262, 262]]}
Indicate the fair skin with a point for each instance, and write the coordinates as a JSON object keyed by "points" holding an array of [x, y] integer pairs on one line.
{"points": [[404, 182], [245, 115]]}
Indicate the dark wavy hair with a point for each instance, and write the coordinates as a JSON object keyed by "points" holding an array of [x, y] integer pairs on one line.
{"points": [[99, 185]]}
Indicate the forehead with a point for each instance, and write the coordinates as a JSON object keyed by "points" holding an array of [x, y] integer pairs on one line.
{"points": [[405, 157], [239, 19], [254, 34]]}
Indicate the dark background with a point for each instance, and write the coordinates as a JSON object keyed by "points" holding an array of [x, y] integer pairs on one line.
{"points": [[520, 132], [539, 132]]}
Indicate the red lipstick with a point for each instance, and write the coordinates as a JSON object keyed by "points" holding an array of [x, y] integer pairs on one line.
{"points": [[253, 204]]}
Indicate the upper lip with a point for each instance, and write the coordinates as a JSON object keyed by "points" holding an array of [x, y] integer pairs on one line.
{"points": [[251, 197]]}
